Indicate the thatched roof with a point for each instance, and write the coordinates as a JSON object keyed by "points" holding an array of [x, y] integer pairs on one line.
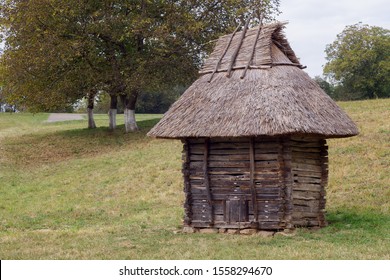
{"points": [[272, 96]]}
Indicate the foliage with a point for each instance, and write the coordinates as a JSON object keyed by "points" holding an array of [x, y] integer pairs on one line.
{"points": [[43, 67], [130, 204], [359, 61], [57, 52]]}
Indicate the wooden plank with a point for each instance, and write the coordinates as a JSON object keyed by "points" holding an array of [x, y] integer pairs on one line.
{"points": [[237, 157], [306, 195], [235, 145], [306, 140], [307, 187], [301, 166], [307, 161], [227, 171], [266, 157], [221, 140], [193, 141], [308, 180], [306, 208], [232, 178], [230, 152], [198, 181], [301, 145], [304, 155], [252, 178], [240, 164], [267, 146], [286, 174], [266, 176], [266, 139], [324, 183], [187, 184], [307, 173], [222, 183], [305, 150], [207, 179], [266, 164]]}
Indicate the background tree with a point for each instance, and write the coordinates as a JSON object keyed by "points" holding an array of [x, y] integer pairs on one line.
{"points": [[359, 61], [57, 52]]}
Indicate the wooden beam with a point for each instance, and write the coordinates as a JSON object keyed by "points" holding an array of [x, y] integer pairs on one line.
{"points": [[286, 174], [187, 184], [235, 54], [253, 48], [324, 182], [206, 178], [223, 53], [252, 178]]}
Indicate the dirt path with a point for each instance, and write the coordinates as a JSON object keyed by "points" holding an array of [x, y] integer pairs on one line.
{"points": [[60, 117]]}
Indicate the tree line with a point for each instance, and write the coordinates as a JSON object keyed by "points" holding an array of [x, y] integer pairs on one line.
{"points": [[145, 53], [57, 52]]}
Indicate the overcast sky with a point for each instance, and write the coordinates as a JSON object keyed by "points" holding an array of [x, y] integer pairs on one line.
{"points": [[315, 23]]}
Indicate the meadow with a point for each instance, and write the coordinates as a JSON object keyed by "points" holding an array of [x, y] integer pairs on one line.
{"points": [[67, 192]]}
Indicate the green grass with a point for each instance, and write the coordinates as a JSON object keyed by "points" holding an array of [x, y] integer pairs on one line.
{"points": [[67, 192]]}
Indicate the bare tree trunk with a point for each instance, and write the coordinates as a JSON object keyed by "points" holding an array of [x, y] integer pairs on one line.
{"points": [[129, 111], [113, 111], [91, 120], [130, 121]]}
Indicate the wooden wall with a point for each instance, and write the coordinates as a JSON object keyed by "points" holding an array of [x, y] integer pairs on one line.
{"points": [[310, 177], [246, 183]]}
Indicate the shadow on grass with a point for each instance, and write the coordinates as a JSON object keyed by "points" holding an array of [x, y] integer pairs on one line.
{"points": [[352, 226], [49, 147], [144, 127], [350, 219]]}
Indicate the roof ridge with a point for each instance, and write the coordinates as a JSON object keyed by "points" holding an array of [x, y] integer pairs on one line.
{"points": [[250, 50]]}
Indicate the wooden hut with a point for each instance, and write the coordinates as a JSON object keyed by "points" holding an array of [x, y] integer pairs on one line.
{"points": [[254, 127]]}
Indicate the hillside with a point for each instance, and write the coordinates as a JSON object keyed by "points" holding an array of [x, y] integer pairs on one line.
{"points": [[71, 193]]}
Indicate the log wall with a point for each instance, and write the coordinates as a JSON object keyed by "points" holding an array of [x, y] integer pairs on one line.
{"points": [[310, 177], [250, 183]]}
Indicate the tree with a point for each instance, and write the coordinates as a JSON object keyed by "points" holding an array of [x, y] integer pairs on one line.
{"points": [[57, 52], [359, 61], [48, 62]]}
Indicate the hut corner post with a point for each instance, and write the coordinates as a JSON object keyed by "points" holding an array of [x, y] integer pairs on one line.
{"points": [[187, 186], [286, 175], [324, 182], [252, 170], [206, 179]]}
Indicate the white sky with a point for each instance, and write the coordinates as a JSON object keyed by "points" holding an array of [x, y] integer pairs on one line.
{"points": [[315, 23]]}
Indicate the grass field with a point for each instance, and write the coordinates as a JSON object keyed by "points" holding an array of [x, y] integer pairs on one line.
{"points": [[67, 192]]}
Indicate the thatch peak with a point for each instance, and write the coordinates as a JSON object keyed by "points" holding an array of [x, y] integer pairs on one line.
{"points": [[271, 97], [251, 49]]}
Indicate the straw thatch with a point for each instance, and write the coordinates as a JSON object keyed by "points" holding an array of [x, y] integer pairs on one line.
{"points": [[262, 54], [273, 97]]}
